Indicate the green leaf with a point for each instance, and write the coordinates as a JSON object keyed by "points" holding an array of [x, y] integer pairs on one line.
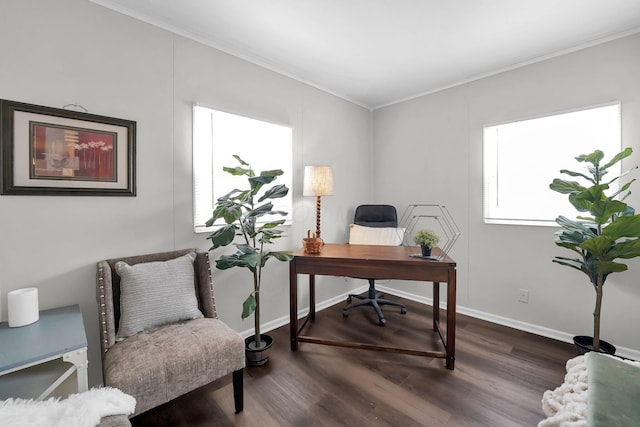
{"points": [[275, 192], [570, 239], [565, 187], [245, 249], [608, 267], [627, 249], [222, 236], [268, 235], [597, 246], [623, 226], [230, 212], [279, 255], [242, 162], [260, 210], [272, 173], [237, 171], [577, 174], [568, 264], [271, 224], [229, 261], [572, 246], [576, 226], [251, 259], [603, 210], [621, 155], [282, 255], [261, 179], [580, 202], [239, 259], [248, 306], [593, 158]]}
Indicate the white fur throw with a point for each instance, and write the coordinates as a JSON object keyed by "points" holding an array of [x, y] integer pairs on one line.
{"points": [[78, 410], [566, 406]]}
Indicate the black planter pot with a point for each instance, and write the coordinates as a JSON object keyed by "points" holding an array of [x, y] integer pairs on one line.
{"points": [[585, 344], [257, 357], [426, 250]]}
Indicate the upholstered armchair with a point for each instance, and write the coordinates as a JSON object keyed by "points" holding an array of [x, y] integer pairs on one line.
{"points": [[161, 337]]}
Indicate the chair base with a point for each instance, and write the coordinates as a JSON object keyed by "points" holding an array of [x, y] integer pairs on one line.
{"points": [[374, 299]]}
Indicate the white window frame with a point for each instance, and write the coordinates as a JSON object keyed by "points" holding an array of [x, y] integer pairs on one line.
{"points": [[217, 136], [503, 179]]}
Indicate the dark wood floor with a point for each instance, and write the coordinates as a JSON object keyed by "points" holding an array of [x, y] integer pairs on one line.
{"points": [[499, 377]]}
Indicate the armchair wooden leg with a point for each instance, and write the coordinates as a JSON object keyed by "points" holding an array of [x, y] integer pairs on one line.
{"points": [[238, 390]]}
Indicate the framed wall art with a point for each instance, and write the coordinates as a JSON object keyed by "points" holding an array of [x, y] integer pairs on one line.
{"points": [[54, 151]]}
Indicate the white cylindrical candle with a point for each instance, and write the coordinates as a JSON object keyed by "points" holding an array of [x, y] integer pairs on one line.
{"points": [[23, 307]]}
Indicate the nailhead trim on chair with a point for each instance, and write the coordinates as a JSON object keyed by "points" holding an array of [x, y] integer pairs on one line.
{"points": [[213, 298], [103, 320]]}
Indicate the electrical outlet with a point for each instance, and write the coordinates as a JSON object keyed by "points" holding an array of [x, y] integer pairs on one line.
{"points": [[524, 295]]}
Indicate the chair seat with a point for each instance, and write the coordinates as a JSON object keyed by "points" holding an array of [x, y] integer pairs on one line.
{"points": [[186, 355]]}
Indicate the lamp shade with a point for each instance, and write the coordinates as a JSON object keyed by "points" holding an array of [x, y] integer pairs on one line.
{"points": [[318, 181]]}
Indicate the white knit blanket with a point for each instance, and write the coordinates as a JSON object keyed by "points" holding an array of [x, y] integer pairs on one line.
{"points": [[78, 410], [566, 406]]}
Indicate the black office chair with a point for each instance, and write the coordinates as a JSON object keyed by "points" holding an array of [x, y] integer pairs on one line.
{"points": [[374, 216]]}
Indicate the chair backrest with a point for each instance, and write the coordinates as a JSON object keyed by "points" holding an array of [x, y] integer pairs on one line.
{"points": [[376, 216], [376, 225], [109, 289]]}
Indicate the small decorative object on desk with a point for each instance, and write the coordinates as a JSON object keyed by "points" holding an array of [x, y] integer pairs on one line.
{"points": [[311, 243], [427, 239], [23, 307]]}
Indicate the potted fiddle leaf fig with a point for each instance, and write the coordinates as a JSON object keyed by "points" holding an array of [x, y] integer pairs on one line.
{"points": [[606, 229], [427, 239], [243, 213]]}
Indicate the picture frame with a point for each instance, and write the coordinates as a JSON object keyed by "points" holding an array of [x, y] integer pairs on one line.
{"points": [[55, 151]]}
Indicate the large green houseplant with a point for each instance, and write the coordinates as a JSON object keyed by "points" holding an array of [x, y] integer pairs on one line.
{"points": [[606, 230], [243, 213]]}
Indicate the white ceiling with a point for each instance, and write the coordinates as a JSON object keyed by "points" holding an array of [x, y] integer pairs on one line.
{"points": [[379, 52]]}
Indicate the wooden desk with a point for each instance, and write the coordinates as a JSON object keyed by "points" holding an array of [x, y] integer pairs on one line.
{"points": [[58, 334], [375, 262]]}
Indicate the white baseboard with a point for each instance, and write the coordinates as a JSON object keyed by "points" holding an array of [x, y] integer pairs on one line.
{"points": [[284, 320], [505, 321]]}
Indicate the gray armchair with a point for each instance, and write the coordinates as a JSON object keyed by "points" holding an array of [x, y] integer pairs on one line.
{"points": [[164, 361]]}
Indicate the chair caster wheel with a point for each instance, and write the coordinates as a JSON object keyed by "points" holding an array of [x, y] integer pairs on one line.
{"points": [[348, 300], [382, 322], [403, 310], [345, 313]]}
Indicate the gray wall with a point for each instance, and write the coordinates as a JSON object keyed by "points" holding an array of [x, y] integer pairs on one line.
{"points": [[429, 150], [73, 51]]}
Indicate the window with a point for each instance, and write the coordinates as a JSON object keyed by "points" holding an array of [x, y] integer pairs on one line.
{"points": [[522, 158], [217, 136]]}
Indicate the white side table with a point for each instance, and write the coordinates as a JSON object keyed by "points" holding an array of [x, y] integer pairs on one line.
{"points": [[58, 334]]}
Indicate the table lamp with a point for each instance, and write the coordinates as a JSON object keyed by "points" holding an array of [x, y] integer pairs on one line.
{"points": [[318, 181]]}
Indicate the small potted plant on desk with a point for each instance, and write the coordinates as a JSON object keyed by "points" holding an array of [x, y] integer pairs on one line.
{"points": [[607, 229], [241, 213], [427, 239]]}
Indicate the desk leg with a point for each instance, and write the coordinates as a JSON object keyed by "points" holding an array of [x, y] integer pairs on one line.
{"points": [[79, 359], [312, 296], [293, 305], [451, 318], [436, 305]]}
